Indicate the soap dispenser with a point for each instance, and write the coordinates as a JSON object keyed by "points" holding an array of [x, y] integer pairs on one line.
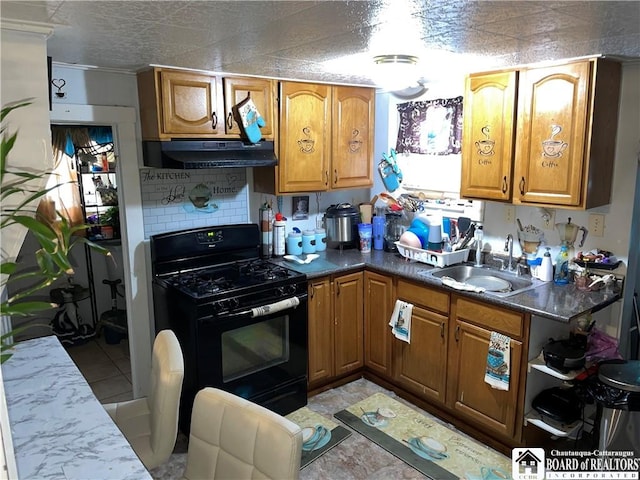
{"points": [[546, 268], [561, 276]]}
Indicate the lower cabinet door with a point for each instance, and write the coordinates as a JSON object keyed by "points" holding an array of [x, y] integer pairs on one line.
{"points": [[349, 319], [320, 331], [420, 366], [378, 307], [470, 396]]}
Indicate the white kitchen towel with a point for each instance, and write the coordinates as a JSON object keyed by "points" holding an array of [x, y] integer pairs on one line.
{"points": [[400, 321], [498, 361]]}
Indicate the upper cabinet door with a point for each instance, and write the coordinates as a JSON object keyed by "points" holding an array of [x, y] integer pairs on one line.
{"points": [[260, 90], [190, 104], [305, 140], [353, 128], [488, 136], [552, 132]]}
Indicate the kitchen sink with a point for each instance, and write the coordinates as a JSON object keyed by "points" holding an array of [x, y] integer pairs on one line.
{"points": [[494, 280]]}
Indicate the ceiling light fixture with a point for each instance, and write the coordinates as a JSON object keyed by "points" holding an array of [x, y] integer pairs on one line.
{"points": [[396, 72]]}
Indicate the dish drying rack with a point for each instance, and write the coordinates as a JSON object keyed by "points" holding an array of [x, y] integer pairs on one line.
{"points": [[431, 257]]}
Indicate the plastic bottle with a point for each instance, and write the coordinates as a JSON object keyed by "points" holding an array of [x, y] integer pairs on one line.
{"points": [[546, 268], [378, 232], [561, 276], [279, 226]]}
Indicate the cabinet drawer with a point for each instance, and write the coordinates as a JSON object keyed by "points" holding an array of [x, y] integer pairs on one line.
{"points": [[426, 297], [490, 316]]}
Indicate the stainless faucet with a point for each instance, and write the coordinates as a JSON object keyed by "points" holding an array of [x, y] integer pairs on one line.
{"points": [[508, 247], [478, 235]]}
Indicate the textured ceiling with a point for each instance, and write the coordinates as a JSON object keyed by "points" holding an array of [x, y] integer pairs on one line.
{"points": [[295, 39]]}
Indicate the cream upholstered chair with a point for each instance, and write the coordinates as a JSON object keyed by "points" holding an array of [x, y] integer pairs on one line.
{"points": [[150, 424], [233, 438]]}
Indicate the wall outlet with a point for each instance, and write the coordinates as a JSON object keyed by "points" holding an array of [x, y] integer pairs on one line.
{"points": [[549, 220], [596, 224], [509, 214]]}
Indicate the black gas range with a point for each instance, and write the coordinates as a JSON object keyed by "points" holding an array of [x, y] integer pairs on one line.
{"points": [[241, 320]]}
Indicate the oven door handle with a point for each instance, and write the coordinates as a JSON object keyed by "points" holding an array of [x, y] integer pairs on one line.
{"points": [[263, 310]]}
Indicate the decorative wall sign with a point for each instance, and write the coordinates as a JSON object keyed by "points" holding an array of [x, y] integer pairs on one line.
{"points": [[174, 199]]}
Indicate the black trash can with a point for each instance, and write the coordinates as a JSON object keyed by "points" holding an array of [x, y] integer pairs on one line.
{"points": [[618, 397]]}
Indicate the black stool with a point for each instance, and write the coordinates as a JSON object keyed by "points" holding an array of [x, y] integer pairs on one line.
{"points": [[114, 321]]}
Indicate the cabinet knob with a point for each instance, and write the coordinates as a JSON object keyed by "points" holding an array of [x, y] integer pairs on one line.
{"points": [[504, 184], [326, 176], [442, 329], [522, 186], [229, 120], [457, 335], [335, 176], [214, 120]]}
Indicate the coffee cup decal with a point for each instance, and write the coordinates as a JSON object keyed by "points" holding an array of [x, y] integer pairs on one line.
{"points": [[355, 143], [494, 473], [551, 147], [307, 145], [200, 196], [485, 147]]}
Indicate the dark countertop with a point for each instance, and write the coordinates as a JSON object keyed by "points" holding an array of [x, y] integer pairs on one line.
{"points": [[558, 302]]}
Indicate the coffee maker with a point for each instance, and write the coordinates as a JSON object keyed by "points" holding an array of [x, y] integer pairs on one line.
{"points": [[568, 234]]}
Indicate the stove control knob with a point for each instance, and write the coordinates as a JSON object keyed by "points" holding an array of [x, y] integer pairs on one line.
{"points": [[233, 303]]}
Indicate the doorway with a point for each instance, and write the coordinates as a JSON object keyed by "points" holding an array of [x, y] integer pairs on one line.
{"points": [[135, 254]]}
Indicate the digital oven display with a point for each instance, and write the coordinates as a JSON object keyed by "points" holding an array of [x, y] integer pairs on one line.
{"points": [[210, 237]]}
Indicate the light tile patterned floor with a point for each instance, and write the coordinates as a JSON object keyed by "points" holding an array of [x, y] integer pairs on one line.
{"points": [[107, 368]]}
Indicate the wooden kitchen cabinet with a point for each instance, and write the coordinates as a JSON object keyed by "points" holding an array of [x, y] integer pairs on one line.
{"points": [[349, 322], [336, 316], [321, 331], [567, 123], [179, 104], [305, 137], [352, 137], [468, 395], [421, 366], [489, 135], [325, 140], [378, 307], [566, 119], [262, 92]]}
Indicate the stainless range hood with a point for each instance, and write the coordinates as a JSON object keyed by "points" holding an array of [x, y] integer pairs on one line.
{"points": [[188, 154]]}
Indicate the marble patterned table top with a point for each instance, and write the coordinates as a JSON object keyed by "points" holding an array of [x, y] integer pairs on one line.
{"points": [[59, 428]]}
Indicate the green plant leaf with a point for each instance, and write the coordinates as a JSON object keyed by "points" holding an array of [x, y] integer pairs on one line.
{"points": [[8, 268], [26, 309]]}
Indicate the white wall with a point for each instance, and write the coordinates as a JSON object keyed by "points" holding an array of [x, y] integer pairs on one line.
{"points": [[23, 75]]}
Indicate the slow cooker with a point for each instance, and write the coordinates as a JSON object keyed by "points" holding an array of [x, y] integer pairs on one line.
{"points": [[341, 223]]}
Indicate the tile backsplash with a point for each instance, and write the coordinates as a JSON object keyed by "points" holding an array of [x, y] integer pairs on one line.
{"points": [[179, 199]]}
